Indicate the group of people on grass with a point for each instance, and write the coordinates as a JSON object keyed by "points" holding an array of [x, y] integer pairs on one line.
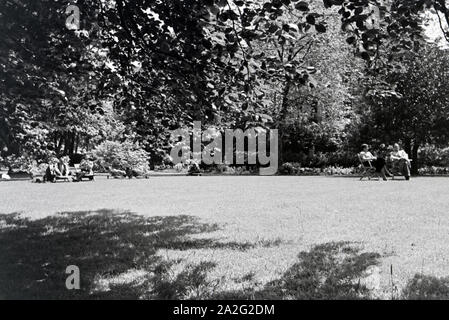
{"points": [[387, 160], [60, 169]]}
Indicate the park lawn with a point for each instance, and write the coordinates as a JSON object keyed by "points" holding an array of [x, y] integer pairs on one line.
{"points": [[213, 237]]}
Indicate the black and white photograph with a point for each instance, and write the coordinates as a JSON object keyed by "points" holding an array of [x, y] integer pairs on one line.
{"points": [[247, 151]]}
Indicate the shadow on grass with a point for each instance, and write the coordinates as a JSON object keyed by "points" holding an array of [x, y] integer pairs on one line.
{"points": [[423, 287], [116, 253], [328, 271]]}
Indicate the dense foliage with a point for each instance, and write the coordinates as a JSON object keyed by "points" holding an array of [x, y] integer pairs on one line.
{"points": [[328, 74], [123, 156]]}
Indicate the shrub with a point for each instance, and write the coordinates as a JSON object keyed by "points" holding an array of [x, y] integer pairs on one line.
{"points": [[289, 168], [296, 169], [433, 171], [339, 171], [17, 164], [114, 155], [432, 156], [426, 288]]}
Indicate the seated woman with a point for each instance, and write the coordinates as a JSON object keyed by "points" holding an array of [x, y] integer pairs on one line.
{"points": [[383, 155], [366, 155], [378, 162]]}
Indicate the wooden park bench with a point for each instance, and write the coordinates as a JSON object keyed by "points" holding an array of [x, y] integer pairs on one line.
{"points": [[40, 178]]}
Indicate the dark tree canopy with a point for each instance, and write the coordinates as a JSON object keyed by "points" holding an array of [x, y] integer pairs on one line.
{"points": [[136, 68]]}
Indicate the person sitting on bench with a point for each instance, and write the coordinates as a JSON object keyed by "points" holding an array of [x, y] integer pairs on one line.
{"points": [[63, 167], [52, 171], [86, 170], [401, 161]]}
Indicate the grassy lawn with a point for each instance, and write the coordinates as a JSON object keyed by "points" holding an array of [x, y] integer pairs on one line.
{"points": [[233, 237]]}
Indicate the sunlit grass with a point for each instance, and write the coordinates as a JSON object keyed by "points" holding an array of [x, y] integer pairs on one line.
{"points": [[237, 234]]}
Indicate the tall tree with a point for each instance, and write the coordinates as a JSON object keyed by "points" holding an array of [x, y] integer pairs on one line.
{"points": [[50, 89], [417, 113]]}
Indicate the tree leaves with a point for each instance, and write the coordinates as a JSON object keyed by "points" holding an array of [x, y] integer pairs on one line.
{"points": [[321, 28], [164, 63], [302, 6]]}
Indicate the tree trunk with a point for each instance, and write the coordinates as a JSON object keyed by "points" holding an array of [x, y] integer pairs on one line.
{"points": [[415, 163], [282, 117], [77, 143], [72, 143], [66, 143], [408, 146], [59, 145], [4, 136]]}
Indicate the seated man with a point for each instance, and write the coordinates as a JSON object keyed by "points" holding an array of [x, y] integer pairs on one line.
{"points": [[401, 161]]}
